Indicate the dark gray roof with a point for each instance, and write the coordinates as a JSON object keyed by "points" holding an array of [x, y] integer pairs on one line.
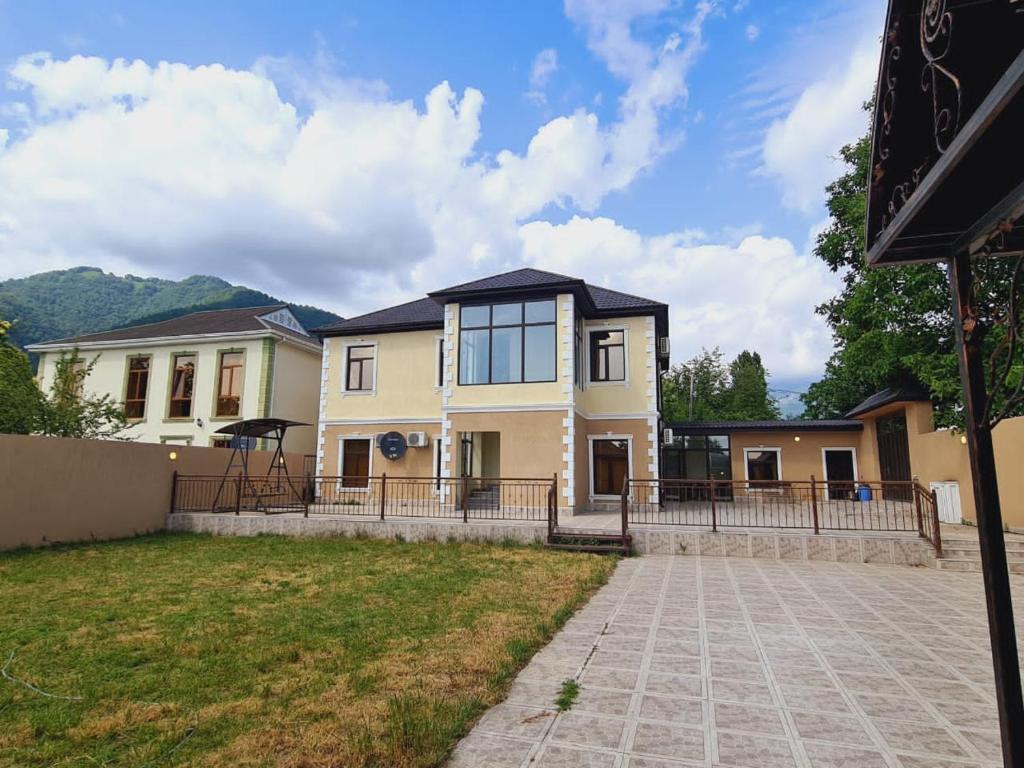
{"points": [[907, 392], [429, 312], [420, 314], [781, 425], [212, 321]]}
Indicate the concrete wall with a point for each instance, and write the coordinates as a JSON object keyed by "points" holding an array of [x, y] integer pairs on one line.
{"points": [[296, 379], [59, 490]]}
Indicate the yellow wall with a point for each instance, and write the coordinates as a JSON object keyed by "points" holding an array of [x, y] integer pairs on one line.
{"points": [[294, 394], [635, 394], [109, 376], [405, 378], [800, 460], [638, 429], [417, 462]]}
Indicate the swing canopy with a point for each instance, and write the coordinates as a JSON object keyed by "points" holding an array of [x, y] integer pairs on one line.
{"points": [[259, 427]]}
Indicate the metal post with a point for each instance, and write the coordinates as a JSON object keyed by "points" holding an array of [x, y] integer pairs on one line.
{"points": [[917, 506], [554, 497], [625, 505], [383, 493], [174, 490], [714, 513], [238, 495], [465, 499], [989, 516], [935, 524], [814, 503]]}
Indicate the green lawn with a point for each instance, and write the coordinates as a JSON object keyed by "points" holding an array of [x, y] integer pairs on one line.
{"points": [[193, 650]]}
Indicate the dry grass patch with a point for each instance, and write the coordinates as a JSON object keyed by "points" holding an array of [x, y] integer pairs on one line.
{"points": [[317, 653]]}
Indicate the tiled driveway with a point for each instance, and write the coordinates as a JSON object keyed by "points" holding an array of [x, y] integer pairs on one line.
{"points": [[749, 663]]}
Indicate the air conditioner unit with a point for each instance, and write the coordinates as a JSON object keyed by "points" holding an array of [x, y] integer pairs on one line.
{"points": [[416, 439], [667, 436], [663, 346]]}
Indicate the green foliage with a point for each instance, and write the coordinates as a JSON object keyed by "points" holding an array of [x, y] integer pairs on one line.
{"points": [[68, 410], [19, 395], [65, 303], [889, 324], [567, 694], [739, 391]]}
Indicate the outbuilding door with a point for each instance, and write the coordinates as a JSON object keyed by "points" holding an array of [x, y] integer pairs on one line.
{"points": [[894, 455], [839, 472]]}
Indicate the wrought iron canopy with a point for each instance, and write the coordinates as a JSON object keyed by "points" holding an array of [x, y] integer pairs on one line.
{"points": [[947, 171]]}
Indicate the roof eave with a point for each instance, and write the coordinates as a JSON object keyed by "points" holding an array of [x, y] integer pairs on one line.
{"points": [[365, 330]]}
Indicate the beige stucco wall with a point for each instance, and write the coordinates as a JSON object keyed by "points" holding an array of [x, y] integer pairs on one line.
{"points": [[295, 394], [634, 395], [639, 432], [405, 378], [109, 376], [61, 490], [799, 459], [417, 462], [530, 441]]}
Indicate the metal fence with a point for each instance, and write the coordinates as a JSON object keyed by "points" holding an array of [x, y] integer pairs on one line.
{"points": [[381, 497], [810, 505]]}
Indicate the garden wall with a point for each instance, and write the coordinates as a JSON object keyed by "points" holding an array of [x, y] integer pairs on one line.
{"points": [[59, 490]]}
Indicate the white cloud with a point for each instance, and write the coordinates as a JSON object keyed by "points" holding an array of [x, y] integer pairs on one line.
{"points": [[801, 149], [545, 63], [752, 32], [758, 293]]}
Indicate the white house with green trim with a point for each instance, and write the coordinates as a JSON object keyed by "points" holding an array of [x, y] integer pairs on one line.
{"points": [[182, 379]]}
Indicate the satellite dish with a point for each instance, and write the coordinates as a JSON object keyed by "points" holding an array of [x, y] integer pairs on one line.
{"points": [[393, 445]]}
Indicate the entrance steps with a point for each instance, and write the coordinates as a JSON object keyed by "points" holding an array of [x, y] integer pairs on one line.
{"points": [[965, 555], [589, 540]]}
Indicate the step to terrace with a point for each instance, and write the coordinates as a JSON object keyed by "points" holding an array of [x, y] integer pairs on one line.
{"points": [[965, 555], [583, 540]]}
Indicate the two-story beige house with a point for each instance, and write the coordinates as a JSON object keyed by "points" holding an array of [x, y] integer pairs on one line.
{"points": [[182, 379], [526, 374]]}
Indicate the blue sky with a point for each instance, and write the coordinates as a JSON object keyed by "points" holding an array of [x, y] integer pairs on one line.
{"points": [[672, 149]]}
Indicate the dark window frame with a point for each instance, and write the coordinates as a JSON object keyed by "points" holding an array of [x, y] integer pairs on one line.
{"points": [[594, 463], [594, 348], [128, 388], [523, 324], [350, 481], [362, 364]]}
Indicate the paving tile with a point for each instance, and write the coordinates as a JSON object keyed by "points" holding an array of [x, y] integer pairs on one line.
{"points": [[894, 708], [672, 710], [833, 756], [603, 701], [814, 699], [673, 685], [512, 720], [604, 677], [676, 665], [915, 737], [832, 728], [588, 730], [479, 750], [986, 742], [743, 717], [556, 756], [747, 751], [669, 740], [741, 692]]}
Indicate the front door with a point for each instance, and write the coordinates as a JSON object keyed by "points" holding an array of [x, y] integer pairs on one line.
{"points": [[839, 473], [894, 456]]}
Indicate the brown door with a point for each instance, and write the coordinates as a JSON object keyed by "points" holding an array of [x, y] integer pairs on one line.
{"points": [[894, 456]]}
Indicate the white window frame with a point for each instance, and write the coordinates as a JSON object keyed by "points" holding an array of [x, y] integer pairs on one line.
{"points": [[438, 365], [342, 439], [587, 330], [760, 449], [590, 462], [850, 449], [345, 391]]}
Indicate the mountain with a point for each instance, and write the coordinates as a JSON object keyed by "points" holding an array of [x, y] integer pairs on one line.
{"points": [[55, 305]]}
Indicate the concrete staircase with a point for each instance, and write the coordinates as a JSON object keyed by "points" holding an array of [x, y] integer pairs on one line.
{"points": [[484, 498], [960, 554], [582, 540]]}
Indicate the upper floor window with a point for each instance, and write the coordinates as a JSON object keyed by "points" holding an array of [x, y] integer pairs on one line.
{"points": [[439, 362], [229, 384], [182, 382], [607, 355], [136, 388], [359, 365], [507, 343]]}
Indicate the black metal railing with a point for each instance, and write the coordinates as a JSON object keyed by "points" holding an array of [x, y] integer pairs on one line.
{"points": [[381, 497], [801, 504]]}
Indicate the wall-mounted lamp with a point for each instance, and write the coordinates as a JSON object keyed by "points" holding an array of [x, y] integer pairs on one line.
{"points": [[963, 439], [796, 438], [199, 422], [173, 455]]}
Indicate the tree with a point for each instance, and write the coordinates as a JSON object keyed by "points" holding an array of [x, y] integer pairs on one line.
{"points": [[68, 411], [748, 397], [704, 389], [893, 324], [19, 396]]}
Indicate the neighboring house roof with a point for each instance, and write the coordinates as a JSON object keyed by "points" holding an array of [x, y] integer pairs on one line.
{"points": [[254, 321], [782, 425], [907, 392], [429, 313]]}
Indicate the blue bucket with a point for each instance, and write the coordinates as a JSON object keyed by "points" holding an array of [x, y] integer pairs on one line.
{"points": [[863, 493]]}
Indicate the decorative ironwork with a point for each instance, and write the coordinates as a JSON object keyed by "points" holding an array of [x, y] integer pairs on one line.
{"points": [[944, 85]]}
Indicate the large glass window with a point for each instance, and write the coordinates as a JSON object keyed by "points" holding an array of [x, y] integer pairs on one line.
{"points": [[355, 462], [137, 387], [359, 365], [182, 382], [611, 466], [607, 355], [507, 343], [229, 385]]}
